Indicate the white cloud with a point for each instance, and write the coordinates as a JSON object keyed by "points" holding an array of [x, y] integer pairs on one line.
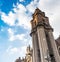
{"points": [[13, 36], [20, 37], [20, 15], [9, 19], [13, 50], [10, 31], [20, 9], [32, 6], [21, 0], [16, 51]]}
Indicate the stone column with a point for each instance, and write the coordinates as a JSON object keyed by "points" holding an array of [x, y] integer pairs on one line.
{"points": [[35, 48], [42, 43], [54, 47]]}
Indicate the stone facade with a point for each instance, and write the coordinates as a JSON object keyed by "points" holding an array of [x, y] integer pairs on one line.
{"points": [[45, 47]]}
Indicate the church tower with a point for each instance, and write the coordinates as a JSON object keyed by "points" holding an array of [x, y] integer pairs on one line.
{"points": [[44, 46]]}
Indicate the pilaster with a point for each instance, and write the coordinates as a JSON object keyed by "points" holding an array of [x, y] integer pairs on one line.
{"points": [[35, 48], [42, 43], [54, 46]]}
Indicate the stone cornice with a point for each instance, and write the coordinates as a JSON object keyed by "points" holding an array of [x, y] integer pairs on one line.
{"points": [[47, 27]]}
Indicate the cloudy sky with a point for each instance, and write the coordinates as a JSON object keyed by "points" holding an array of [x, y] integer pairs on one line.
{"points": [[15, 16]]}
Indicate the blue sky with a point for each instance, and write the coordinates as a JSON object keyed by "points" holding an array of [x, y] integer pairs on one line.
{"points": [[15, 16]]}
